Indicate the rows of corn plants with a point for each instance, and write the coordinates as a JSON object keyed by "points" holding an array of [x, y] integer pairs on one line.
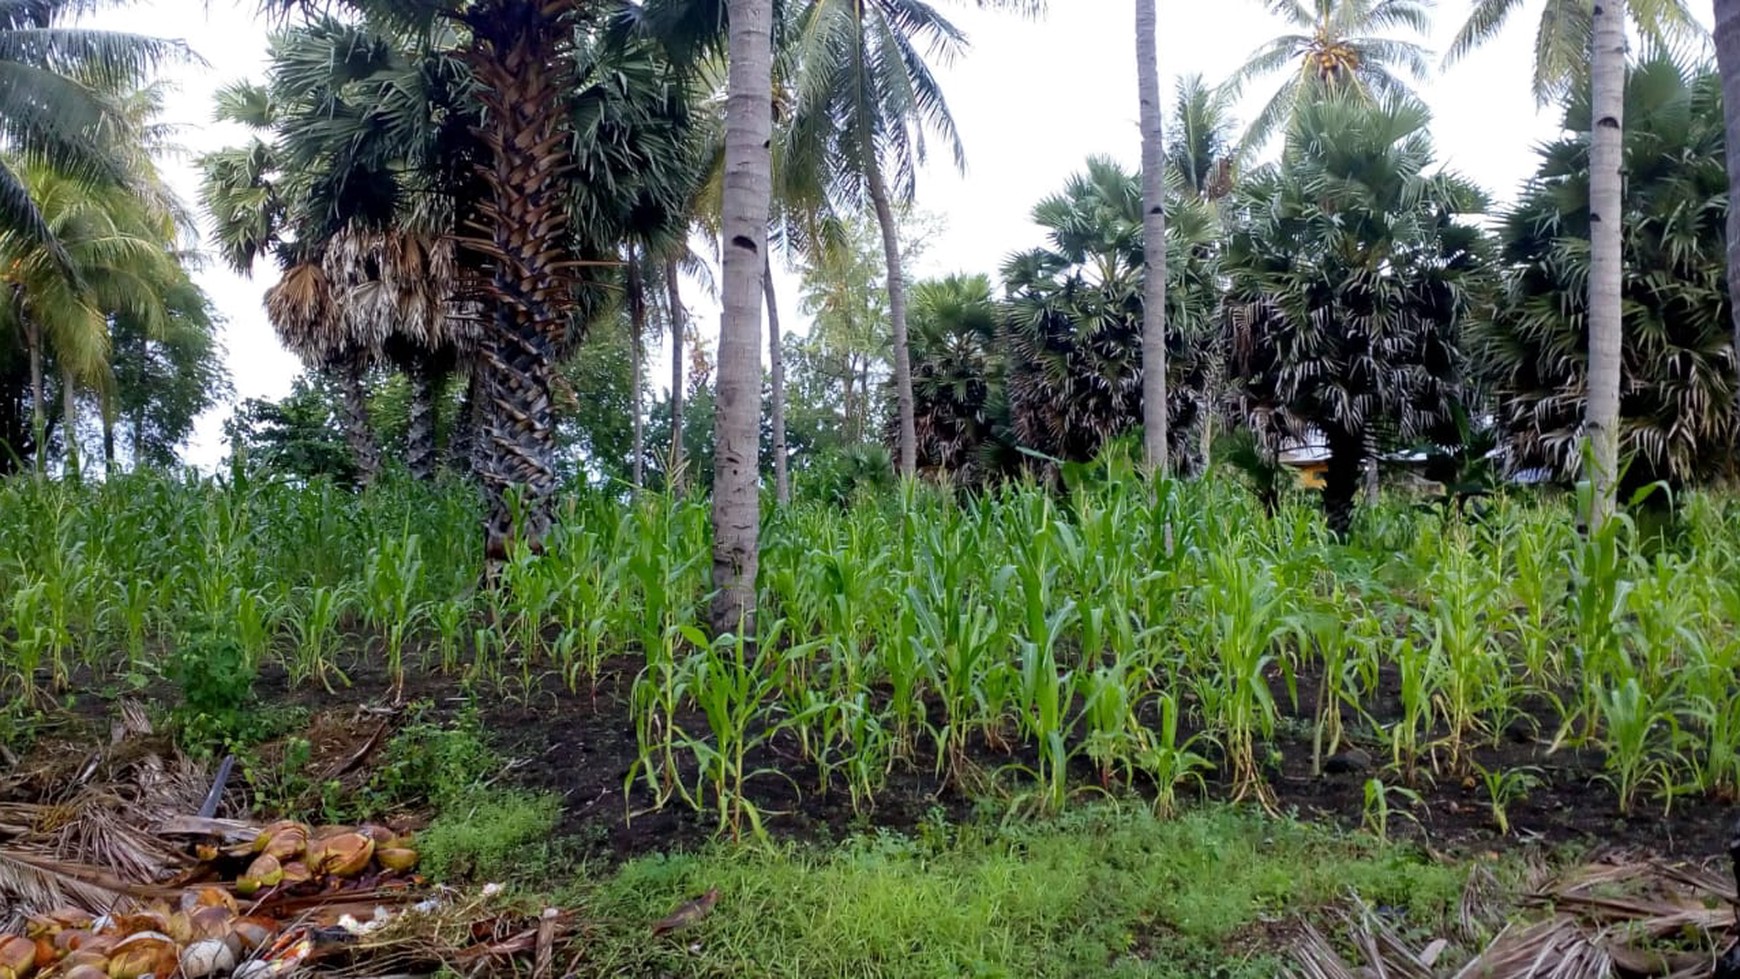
{"points": [[1152, 637]]}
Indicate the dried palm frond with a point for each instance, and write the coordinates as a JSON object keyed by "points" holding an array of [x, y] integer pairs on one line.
{"points": [[1621, 917]]}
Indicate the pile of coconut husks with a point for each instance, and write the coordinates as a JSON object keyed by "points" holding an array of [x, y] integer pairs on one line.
{"points": [[121, 865]]}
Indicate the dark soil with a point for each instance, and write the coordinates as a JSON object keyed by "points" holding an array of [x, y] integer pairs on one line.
{"points": [[581, 747]]}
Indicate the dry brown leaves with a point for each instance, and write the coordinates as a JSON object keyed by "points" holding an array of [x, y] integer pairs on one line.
{"points": [[1621, 918]]}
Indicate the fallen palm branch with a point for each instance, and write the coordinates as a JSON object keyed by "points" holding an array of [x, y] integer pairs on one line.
{"points": [[1619, 919]]}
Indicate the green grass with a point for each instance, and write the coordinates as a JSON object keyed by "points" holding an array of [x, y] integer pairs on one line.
{"points": [[1102, 891]]}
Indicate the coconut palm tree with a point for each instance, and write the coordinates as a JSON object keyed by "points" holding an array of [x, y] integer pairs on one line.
{"points": [[1564, 32], [1154, 401], [1675, 414], [117, 251], [1339, 46], [1580, 43], [1201, 144], [1349, 279], [56, 104], [866, 100], [747, 197]]}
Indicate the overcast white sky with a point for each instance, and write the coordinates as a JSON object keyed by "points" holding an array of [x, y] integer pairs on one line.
{"points": [[1033, 99]]}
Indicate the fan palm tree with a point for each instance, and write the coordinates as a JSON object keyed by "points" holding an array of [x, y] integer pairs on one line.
{"points": [[1349, 278], [254, 204], [1339, 46], [1073, 333], [957, 377], [55, 80], [1678, 384], [519, 57]]}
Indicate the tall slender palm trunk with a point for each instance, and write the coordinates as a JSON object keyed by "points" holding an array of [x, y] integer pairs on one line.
{"points": [[1154, 395], [737, 420], [637, 330], [69, 424], [519, 59], [420, 449], [679, 316], [38, 395], [353, 402], [896, 316], [1728, 65], [781, 477], [1606, 158]]}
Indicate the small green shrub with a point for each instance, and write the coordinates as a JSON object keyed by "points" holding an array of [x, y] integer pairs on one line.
{"points": [[440, 765], [497, 837], [217, 712]]}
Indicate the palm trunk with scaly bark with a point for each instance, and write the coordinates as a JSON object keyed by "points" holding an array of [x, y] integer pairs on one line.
{"points": [[674, 299], [637, 331], [737, 421], [781, 475], [353, 402], [420, 437], [896, 316], [1728, 65], [1154, 395], [518, 57], [1606, 210]]}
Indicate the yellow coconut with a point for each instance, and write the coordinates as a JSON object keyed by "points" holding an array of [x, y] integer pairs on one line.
{"points": [[148, 952], [265, 871], [398, 857], [344, 855]]}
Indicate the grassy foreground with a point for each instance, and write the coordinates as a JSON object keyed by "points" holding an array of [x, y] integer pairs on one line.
{"points": [[1100, 891]]}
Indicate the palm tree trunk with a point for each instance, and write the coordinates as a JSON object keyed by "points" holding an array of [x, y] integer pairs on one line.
{"points": [[674, 299], [737, 420], [781, 477], [518, 56], [637, 330], [897, 317], [1341, 481], [1728, 65], [38, 394], [353, 399], [69, 422], [108, 420], [463, 442], [420, 438], [1154, 397], [1606, 157]]}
